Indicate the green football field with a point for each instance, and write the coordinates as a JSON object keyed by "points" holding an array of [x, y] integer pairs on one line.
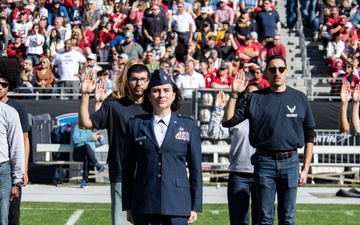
{"points": [[36, 213]]}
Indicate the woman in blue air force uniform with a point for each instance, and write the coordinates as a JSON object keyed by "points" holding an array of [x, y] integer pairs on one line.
{"points": [[160, 144]]}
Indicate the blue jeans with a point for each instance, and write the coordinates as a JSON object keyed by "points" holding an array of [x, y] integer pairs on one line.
{"points": [[241, 187], [5, 191], [183, 38], [117, 214], [291, 13], [281, 176], [316, 24]]}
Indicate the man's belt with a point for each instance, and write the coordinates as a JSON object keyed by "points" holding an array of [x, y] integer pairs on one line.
{"points": [[277, 155]]}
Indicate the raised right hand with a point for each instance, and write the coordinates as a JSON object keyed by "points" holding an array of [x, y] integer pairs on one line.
{"points": [[88, 84], [239, 84], [100, 92], [345, 93], [356, 94]]}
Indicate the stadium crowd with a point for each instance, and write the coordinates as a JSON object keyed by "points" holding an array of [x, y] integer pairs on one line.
{"points": [[198, 43]]}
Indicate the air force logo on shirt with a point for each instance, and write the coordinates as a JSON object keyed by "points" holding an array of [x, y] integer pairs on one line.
{"points": [[291, 110]]}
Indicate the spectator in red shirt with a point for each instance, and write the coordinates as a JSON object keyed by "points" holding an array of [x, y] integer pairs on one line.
{"points": [[274, 47], [248, 51], [204, 70], [118, 17], [223, 79], [259, 79], [106, 35], [17, 49], [88, 35]]}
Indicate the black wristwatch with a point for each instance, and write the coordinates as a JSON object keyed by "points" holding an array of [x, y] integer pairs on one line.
{"points": [[18, 184]]}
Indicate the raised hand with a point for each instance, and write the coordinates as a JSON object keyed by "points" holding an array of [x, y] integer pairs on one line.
{"points": [[100, 92], [88, 84], [239, 84], [356, 94], [345, 93], [220, 100]]}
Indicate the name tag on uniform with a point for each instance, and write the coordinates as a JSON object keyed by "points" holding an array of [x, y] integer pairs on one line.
{"points": [[140, 138]]}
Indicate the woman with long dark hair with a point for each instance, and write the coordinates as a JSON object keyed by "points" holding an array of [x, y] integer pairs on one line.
{"points": [[54, 43]]}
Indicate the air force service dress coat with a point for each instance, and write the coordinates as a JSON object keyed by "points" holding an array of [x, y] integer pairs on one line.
{"points": [[155, 178]]}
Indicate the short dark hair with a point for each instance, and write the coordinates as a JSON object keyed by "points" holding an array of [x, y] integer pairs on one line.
{"points": [[175, 105], [271, 58], [9, 70], [137, 68]]}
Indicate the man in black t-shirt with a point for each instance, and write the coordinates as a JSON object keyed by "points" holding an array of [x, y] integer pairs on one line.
{"points": [[281, 121], [11, 79], [113, 116]]}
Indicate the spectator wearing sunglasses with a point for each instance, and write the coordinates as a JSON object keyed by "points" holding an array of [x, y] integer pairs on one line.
{"points": [[281, 121]]}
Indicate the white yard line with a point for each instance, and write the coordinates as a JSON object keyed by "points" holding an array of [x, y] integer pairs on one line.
{"points": [[74, 217]]}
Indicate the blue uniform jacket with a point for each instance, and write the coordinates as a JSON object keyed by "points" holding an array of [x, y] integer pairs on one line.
{"points": [[155, 178]]}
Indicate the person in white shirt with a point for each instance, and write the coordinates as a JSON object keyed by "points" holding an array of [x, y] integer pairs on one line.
{"points": [[34, 44], [182, 23], [69, 71], [189, 80], [23, 26]]}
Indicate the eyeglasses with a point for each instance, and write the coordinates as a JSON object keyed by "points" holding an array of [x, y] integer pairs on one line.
{"points": [[140, 80], [276, 39], [153, 9], [43, 19], [266, 3], [348, 66], [280, 69], [4, 84]]}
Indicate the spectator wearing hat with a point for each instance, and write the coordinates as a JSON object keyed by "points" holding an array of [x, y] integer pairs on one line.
{"points": [[349, 33], [222, 13], [57, 10], [244, 25], [182, 24], [202, 36], [34, 43], [154, 23], [5, 29], [204, 17], [223, 79], [156, 47], [267, 22], [173, 64], [235, 61], [16, 12], [91, 65], [69, 71], [177, 48], [223, 31], [150, 61], [248, 52], [123, 58], [131, 48], [22, 26], [272, 48], [16, 49]]}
